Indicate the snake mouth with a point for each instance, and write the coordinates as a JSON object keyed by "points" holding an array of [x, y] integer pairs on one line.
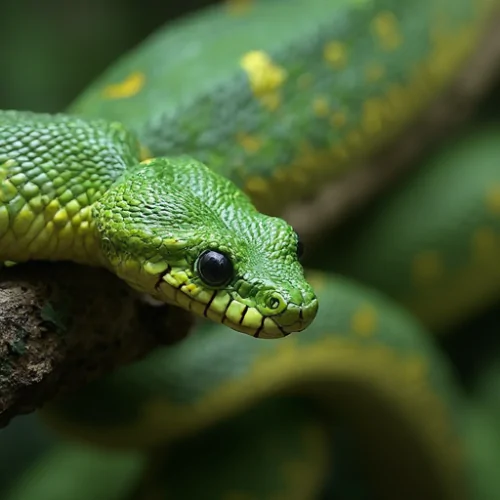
{"points": [[268, 327], [219, 306]]}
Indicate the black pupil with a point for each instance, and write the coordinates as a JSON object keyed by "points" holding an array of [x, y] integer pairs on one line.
{"points": [[300, 249], [214, 268]]}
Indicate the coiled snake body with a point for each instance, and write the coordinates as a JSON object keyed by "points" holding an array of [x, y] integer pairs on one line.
{"points": [[276, 99]]}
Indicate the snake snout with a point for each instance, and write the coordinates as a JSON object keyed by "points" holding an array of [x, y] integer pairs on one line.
{"points": [[287, 309], [297, 317]]}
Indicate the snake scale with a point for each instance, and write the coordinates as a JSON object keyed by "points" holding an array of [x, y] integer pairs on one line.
{"points": [[171, 170]]}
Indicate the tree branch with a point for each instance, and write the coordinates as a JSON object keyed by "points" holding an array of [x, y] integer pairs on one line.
{"points": [[62, 325]]}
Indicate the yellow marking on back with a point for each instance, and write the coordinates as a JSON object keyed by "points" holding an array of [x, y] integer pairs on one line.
{"points": [[265, 77], [493, 200], [385, 27], [321, 107], [147, 161], [250, 143], [335, 54], [129, 87], [364, 321], [382, 115], [427, 267]]}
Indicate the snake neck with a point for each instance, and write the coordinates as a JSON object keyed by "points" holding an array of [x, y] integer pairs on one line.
{"points": [[58, 233], [53, 169]]}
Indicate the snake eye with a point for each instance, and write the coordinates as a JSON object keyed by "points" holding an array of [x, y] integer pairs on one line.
{"points": [[214, 268]]}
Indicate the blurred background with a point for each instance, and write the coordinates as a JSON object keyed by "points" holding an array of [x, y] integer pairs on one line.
{"points": [[51, 49]]}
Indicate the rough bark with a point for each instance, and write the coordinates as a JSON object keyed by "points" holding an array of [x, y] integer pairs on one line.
{"points": [[62, 325]]}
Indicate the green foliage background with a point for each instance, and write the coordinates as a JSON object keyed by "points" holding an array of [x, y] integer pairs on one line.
{"points": [[50, 50]]}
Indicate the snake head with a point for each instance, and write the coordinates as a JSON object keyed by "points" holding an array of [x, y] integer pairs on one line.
{"points": [[174, 229]]}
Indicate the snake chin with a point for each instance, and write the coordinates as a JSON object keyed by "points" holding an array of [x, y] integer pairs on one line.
{"points": [[220, 306], [272, 327]]}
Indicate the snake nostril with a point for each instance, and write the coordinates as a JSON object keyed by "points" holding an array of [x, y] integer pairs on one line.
{"points": [[274, 303]]}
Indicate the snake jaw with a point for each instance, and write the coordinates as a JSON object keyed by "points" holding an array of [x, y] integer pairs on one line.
{"points": [[297, 318], [176, 230], [254, 323], [174, 286]]}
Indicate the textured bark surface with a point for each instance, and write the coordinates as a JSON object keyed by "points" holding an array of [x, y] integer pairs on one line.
{"points": [[62, 325]]}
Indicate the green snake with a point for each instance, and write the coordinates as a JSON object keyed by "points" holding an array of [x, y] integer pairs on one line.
{"points": [[172, 170]]}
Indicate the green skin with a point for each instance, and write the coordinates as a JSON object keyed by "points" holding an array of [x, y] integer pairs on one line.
{"points": [[362, 358], [74, 190], [325, 104]]}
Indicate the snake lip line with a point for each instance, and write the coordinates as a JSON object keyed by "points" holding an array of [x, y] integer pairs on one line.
{"points": [[209, 303], [223, 318], [226, 321], [261, 327], [161, 277]]}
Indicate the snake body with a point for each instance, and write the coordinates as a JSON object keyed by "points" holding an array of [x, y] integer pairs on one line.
{"points": [[281, 102], [170, 227], [444, 265], [276, 98]]}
